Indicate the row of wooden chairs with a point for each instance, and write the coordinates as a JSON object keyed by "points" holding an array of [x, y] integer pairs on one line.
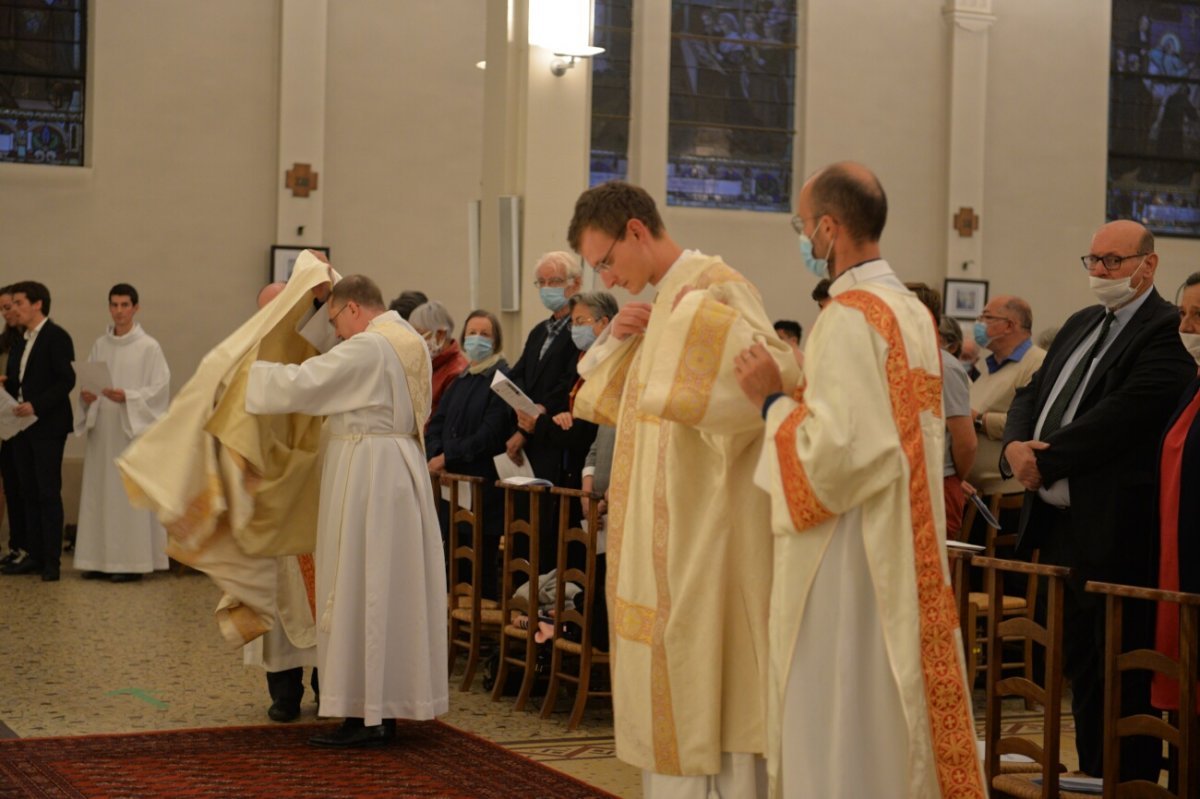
{"points": [[474, 619]]}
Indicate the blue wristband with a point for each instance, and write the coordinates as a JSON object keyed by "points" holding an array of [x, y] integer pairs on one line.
{"points": [[769, 401]]}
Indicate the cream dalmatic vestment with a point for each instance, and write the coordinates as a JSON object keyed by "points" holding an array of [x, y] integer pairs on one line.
{"points": [[689, 542], [113, 535], [381, 574], [868, 692], [232, 489]]}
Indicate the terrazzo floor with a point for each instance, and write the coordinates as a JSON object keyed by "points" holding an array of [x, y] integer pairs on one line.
{"points": [[87, 656]]}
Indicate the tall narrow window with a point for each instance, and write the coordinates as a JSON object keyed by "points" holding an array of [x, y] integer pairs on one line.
{"points": [[1154, 116], [610, 91], [43, 67], [733, 74]]}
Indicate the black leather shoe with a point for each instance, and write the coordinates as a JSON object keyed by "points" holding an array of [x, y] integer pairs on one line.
{"points": [[50, 576], [13, 554], [90, 575], [283, 712], [26, 566], [123, 577], [352, 734]]}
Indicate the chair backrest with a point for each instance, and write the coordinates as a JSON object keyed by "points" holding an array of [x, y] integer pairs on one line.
{"points": [[1048, 694], [997, 504], [469, 551], [584, 576], [1185, 736], [520, 562]]}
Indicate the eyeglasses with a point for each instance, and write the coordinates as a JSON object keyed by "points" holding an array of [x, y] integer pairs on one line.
{"points": [[333, 318], [583, 321], [797, 225], [552, 282], [604, 264], [1110, 262], [988, 318]]}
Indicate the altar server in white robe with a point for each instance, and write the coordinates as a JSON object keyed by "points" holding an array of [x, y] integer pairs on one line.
{"points": [[115, 540], [381, 592], [868, 692], [689, 541]]}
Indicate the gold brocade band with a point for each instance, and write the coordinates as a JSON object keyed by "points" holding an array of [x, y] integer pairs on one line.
{"points": [[634, 622]]}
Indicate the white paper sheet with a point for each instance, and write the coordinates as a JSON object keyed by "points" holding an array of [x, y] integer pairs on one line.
{"points": [[10, 425], [506, 469], [92, 376], [464, 494]]}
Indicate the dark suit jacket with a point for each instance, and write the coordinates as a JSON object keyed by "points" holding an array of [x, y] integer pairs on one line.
{"points": [[1109, 449], [49, 378], [548, 381]]}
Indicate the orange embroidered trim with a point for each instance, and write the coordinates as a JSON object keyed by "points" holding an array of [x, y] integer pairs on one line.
{"points": [[634, 622], [946, 694], [803, 506], [666, 743], [618, 488], [701, 361], [309, 573]]}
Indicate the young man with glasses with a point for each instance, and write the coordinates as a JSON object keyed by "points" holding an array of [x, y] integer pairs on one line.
{"points": [[689, 543]]}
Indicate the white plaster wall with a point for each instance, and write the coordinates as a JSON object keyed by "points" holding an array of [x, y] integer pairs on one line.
{"points": [[404, 142]]}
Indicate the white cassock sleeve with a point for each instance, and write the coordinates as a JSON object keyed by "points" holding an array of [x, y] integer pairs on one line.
{"points": [[340, 381], [144, 404]]}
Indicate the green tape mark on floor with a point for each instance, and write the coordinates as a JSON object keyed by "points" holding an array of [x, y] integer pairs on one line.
{"points": [[138, 693]]}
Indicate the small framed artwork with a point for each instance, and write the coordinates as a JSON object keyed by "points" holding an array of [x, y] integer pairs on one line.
{"points": [[964, 299], [283, 260]]}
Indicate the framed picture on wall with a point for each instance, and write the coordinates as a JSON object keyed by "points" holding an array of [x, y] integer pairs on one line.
{"points": [[283, 260], [964, 299]]}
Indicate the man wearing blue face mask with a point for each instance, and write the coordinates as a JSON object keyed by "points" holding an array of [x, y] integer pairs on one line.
{"points": [[1004, 329], [1082, 438], [546, 372]]}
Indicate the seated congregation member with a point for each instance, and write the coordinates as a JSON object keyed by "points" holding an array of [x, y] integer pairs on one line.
{"points": [[40, 378], [590, 314], [407, 302], [377, 531], [1004, 330], [469, 428], [436, 326], [1179, 502], [961, 441], [11, 500], [115, 540]]}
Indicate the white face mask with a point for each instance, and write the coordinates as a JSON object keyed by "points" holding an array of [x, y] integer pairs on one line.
{"points": [[1191, 342], [1115, 293]]}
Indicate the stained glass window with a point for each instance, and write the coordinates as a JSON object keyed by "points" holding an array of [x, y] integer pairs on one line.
{"points": [[613, 31], [1154, 116], [43, 67], [733, 75]]}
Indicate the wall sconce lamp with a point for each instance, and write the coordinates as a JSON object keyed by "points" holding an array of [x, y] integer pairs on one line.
{"points": [[564, 27]]}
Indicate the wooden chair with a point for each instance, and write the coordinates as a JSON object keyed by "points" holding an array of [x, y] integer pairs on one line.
{"points": [[959, 560], [1183, 735], [473, 617], [582, 655], [1018, 779], [979, 603], [512, 607]]}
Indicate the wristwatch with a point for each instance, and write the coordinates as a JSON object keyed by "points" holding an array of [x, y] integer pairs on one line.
{"points": [[979, 423]]}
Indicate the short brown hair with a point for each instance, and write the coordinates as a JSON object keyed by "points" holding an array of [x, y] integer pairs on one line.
{"points": [[609, 207], [360, 289]]}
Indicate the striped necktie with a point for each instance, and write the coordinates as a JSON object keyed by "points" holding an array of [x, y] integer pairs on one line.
{"points": [[1054, 416]]}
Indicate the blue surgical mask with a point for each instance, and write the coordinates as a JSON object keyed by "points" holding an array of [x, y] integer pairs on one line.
{"points": [[981, 336], [477, 348], [583, 336], [553, 297], [818, 266]]}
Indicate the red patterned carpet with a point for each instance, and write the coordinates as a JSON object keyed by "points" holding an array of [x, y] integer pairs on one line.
{"points": [[427, 759]]}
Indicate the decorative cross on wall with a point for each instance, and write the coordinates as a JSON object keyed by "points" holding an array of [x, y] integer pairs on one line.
{"points": [[966, 222], [301, 180]]}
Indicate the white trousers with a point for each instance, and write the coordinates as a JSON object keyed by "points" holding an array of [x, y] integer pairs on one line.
{"points": [[743, 776]]}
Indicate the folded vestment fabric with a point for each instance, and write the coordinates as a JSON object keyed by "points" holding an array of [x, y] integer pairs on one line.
{"points": [[235, 490]]}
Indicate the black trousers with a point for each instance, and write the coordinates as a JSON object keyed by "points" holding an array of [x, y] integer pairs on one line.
{"points": [[17, 536], [287, 687], [1084, 636], [38, 466]]}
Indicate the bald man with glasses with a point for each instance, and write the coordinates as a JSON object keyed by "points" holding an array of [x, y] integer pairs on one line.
{"points": [[1082, 439]]}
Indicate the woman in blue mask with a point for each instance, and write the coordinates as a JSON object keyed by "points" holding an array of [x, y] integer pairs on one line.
{"points": [[470, 426], [590, 314]]}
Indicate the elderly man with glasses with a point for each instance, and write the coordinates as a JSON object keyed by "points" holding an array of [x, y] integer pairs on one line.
{"points": [[1003, 329], [1082, 438]]}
